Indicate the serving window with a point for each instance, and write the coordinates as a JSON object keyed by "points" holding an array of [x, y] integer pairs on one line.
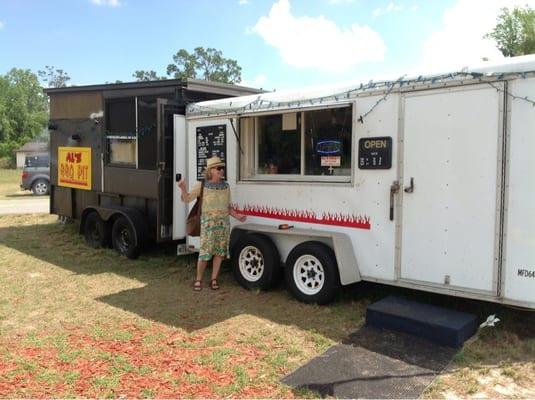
{"points": [[297, 145]]}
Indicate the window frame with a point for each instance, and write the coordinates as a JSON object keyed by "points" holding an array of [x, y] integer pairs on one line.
{"points": [[301, 177], [114, 136]]}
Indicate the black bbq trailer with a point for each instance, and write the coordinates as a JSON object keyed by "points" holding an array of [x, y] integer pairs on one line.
{"points": [[112, 153]]}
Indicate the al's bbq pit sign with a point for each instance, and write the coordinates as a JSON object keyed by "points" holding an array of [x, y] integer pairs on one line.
{"points": [[74, 167]]}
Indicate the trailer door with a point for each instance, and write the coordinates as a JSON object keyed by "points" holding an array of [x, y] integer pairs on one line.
{"points": [[450, 228], [165, 159], [181, 167]]}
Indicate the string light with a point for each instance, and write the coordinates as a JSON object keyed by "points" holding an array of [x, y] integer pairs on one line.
{"points": [[512, 95], [259, 104]]}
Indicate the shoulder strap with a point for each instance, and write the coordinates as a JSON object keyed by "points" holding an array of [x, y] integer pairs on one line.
{"points": [[200, 196]]}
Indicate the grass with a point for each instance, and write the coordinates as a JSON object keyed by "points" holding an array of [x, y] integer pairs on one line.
{"points": [[9, 183], [78, 322]]}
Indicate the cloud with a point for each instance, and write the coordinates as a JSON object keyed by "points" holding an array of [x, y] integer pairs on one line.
{"points": [[391, 7], [341, 1], [108, 3], [460, 42], [257, 82], [316, 42], [2, 24], [243, 2]]}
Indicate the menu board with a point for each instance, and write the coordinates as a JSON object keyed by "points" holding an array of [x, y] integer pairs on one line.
{"points": [[211, 141]]}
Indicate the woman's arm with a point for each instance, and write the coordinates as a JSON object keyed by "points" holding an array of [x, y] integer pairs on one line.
{"points": [[238, 216], [187, 197]]}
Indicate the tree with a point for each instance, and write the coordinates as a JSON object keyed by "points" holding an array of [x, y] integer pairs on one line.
{"points": [[23, 110], [208, 64], [55, 78], [514, 32], [147, 76]]}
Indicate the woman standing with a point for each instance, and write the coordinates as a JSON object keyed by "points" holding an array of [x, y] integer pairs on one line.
{"points": [[215, 224]]}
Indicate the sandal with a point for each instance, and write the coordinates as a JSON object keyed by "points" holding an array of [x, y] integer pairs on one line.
{"points": [[214, 285], [197, 286]]}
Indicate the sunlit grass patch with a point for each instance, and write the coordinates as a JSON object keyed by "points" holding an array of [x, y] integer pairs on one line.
{"points": [[10, 180]]}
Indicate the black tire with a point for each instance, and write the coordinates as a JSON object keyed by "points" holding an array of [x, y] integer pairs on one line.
{"points": [[124, 238], [311, 273], [256, 262], [41, 187], [96, 231]]}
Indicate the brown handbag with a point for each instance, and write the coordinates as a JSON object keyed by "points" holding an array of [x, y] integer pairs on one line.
{"points": [[193, 222]]}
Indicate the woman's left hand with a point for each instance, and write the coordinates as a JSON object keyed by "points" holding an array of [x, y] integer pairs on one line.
{"points": [[237, 215]]}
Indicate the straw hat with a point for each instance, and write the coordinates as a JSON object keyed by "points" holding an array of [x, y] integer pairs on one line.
{"points": [[214, 162]]}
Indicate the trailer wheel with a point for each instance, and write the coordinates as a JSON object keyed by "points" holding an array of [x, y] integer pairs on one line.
{"points": [[311, 273], [96, 231], [124, 238], [256, 262]]}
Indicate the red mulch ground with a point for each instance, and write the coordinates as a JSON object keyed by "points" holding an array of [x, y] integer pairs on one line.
{"points": [[148, 362]]}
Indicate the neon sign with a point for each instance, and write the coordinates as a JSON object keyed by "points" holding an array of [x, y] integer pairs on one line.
{"points": [[329, 147]]}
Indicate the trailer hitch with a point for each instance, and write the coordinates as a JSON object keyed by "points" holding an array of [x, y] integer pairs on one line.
{"points": [[394, 188]]}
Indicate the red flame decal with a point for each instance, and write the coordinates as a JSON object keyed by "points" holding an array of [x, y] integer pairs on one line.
{"points": [[327, 218]]}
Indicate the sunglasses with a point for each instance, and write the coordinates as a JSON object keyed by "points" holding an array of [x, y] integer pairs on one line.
{"points": [[220, 168]]}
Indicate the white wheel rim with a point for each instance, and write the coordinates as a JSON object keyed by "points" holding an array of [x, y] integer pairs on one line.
{"points": [[40, 187], [251, 263], [308, 274]]}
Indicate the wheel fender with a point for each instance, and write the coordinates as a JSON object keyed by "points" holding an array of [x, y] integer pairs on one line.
{"points": [[133, 216], [348, 265], [37, 177]]}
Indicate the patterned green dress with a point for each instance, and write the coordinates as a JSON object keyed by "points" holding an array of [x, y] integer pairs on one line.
{"points": [[215, 222]]}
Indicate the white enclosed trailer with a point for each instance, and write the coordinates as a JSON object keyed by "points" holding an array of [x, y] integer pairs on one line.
{"points": [[426, 183]]}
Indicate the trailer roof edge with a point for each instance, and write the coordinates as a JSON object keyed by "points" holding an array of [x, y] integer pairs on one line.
{"points": [[189, 84]]}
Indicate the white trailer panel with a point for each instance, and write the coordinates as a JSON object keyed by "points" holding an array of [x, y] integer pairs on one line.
{"points": [[519, 275], [452, 141], [376, 249], [180, 167]]}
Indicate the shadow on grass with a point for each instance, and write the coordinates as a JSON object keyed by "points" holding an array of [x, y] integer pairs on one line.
{"points": [[167, 294], [27, 195]]}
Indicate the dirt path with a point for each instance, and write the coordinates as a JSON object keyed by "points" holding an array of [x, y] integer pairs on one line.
{"points": [[25, 206]]}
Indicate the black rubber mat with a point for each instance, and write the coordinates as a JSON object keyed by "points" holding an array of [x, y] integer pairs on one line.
{"points": [[374, 363]]}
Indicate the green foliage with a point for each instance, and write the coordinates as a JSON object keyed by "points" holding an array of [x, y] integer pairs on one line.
{"points": [[55, 78], [23, 110], [514, 32], [142, 76], [7, 163], [208, 64]]}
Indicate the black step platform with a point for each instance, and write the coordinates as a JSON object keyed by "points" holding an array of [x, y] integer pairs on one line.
{"points": [[440, 325]]}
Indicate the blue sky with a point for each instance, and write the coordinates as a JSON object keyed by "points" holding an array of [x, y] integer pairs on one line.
{"points": [[278, 43]]}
